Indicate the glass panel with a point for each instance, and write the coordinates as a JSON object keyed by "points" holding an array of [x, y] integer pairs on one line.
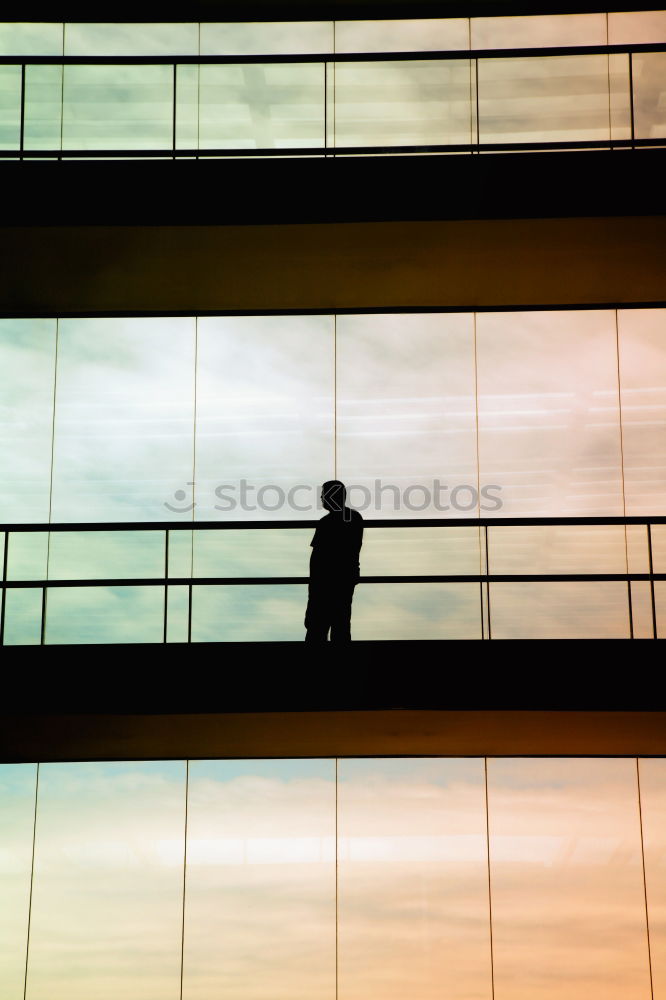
{"points": [[252, 613], [637, 548], [266, 38], [264, 416], [118, 107], [643, 387], [177, 614], [43, 107], [416, 611], [10, 107], [538, 31], [124, 419], [113, 39], [406, 416], [17, 812], [414, 102], [27, 555], [649, 78], [620, 95], [23, 616], [108, 885], [413, 880], [660, 607], [658, 533], [420, 551], [96, 555], [104, 614], [566, 610], [260, 918], [180, 553], [653, 810], [543, 99], [252, 553], [557, 548], [422, 35], [187, 107], [641, 610], [30, 38], [636, 27], [27, 371], [262, 106], [565, 867], [549, 426]]}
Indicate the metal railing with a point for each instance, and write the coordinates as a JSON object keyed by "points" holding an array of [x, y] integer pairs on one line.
{"points": [[174, 149], [485, 578]]}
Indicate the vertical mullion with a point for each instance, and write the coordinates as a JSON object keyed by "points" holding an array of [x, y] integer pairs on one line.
{"points": [[173, 114], [32, 873], [654, 608], [42, 629], [22, 126], [5, 550]]}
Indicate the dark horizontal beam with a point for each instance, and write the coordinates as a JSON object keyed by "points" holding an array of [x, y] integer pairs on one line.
{"points": [[270, 581], [413, 522], [123, 11], [19, 59]]}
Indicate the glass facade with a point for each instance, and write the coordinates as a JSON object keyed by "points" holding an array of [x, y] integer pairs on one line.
{"points": [[328, 98], [356, 878]]}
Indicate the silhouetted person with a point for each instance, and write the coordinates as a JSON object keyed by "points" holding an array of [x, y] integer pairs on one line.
{"points": [[334, 567]]}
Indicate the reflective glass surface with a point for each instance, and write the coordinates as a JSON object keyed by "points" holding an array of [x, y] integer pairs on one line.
{"points": [[136, 39], [544, 99], [653, 812], [252, 613], [107, 897], [30, 38], [538, 31], [249, 553], [402, 103], [549, 420], [43, 107], [17, 812], [117, 107], [404, 35], [261, 105], [406, 421], [643, 396], [260, 917], [265, 416], [266, 38], [559, 610], [124, 419], [416, 611], [413, 880], [106, 554], [559, 548], [104, 614], [10, 107], [566, 880], [27, 555], [649, 78], [636, 27], [23, 616], [27, 372]]}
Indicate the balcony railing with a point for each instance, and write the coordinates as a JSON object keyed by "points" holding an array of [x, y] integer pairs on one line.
{"points": [[368, 104], [508, 577]]}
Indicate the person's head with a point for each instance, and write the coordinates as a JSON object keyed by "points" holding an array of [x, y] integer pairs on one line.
{"points": [[333, 495]]}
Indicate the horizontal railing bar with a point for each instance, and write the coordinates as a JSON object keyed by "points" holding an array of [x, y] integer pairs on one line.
{"points": [[327, 151], [330, 57], [411, 522], [229, 581]]}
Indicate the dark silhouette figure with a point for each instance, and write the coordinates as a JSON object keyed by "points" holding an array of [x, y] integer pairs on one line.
{"points": [[334, 567]]}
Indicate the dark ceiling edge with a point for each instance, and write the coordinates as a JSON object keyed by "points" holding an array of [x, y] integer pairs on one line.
{"points": [[299, 10]]}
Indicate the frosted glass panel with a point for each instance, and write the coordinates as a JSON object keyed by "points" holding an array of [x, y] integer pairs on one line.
{"points": [[402, 35], [413, 880], [107, 896], [538, 31], [27, 372], [252, 613], [30, 38], [549, 421], [104, 614], [653, 810], [416, 610], [264, 416], [266, 38], [402, 103], [124, 420], [649, 77], [17, 812], [261, 105], [114, 39], [43, 107], [566, 878], [260, 918], [406, 414], [560, 610]]}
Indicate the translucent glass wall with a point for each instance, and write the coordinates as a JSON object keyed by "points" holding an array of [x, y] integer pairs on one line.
{"points": [[539, 413], [363, 879]]}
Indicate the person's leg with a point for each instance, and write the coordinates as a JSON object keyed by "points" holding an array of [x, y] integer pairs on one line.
{"points": [[317, 615], [341, 616]]}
